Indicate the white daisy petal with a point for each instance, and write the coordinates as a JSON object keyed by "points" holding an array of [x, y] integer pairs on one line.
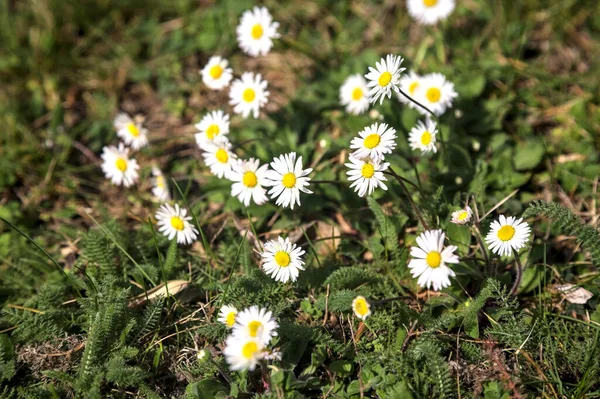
{"points": [[430, 260], [118, 167], [173, 222], [462, 216], [282, 260], [354, 94], [212, 125], [256, 31], [285, 182], [219, 157], [374, 141], [428, 12], [507, 235], [133, 134], [423, 136], [361, 307], [384, 78], [248, 94], [216, 74], [249, 180], [366, 174]]}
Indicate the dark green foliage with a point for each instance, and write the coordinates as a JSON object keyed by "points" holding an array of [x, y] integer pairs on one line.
{"points": [[7, 358], [351, 277]]}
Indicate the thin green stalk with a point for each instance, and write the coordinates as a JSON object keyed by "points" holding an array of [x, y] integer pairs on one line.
{"points": [[412, 203], [311, 247], [237, 256], [160, 261], [519, 274], [253, 230]]}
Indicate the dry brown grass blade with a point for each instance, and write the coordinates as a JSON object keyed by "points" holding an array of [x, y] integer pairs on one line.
{"points": [[162, 290], [502, 201]]}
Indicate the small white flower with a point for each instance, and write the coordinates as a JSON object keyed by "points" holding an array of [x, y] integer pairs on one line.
{"points": [[257, 323], [243, 353], [409, 84], [353, 94], [216, 74], [132, 133], [249, 178], [287, 179], [430, 259], [428, 12], [436, 93], [160, 188], [423, 136], [282, 259], [212, 125], [384, 78], [256, 31], [227, 315], [366, 175], [218, 156], [462, 216], [175, 222], [118, 167], [374, 141], [507, 233], [248, 94], [361, 307]]}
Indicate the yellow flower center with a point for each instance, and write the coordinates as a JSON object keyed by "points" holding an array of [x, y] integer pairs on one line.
{"points": [[222, 155], [160, 182], [257, 31], [177, 223], [506, 233], [230, 319], [254, 327], [249, 95], [463, 215], [426, 138], [249, 349], [357, 94], [372, 140], [212, 131], [282, 258], [430, 3], [433, 94], [361, 306], [215, 71], [413, 86], [384, 79], [133, 130], [434, 259], [249, 179], [121, 164], [368, 170], [289, 180]]}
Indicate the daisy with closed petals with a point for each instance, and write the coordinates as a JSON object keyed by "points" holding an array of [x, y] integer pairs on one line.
{"points": [[216, 74], [366, 175], [160, 189], [384, 78], [287, 178], [428, 12], [430, 259], [243, 353], [409, 84], [248, 94], [212, 125], [282, 259], [257, 323], [353, 94], [506, 234], [462, 216], [374, 141], [361, 307], [132, 133], [118, 167], [174, 222], [248, 179], [218, 156], [435, 93], [423, 136], [256, 31], [227, 315]]}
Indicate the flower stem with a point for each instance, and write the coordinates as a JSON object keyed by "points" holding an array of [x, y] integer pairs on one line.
{"points": [[412, 203], [518, 275]]}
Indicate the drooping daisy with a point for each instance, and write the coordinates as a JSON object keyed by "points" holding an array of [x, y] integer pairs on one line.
{"points": [[462, 216], [256, 31], [249, 178], [216, 74], [243, 353], [436, 93], [248, 94], [175, 222], [361, 307], [118, 167], [506, 234], [282, 259], [366, 175], [212, 125], [430, 259], [257, 323], [160, 189], [132, 133], [353, 94], [227, 315], [374, 141], [219, 157], [423, 136], [287, 179], [384, 78], [428, 12], [409, 84]]}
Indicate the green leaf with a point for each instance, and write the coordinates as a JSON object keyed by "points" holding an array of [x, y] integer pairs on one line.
{"points": [[529, 155], [205, 389], [343, 368]]}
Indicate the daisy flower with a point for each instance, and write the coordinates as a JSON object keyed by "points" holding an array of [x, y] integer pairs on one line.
{"points": [[353, 94], [430, 259], [249, 178], [256, 31], [374, 141], [507, 233], [361, 307], [384, 78], [428, 12], [366, 175], [409, 84], [422, 136], [287, 179], [242, 353], [218, 156], [216, 74], [227, 315], [248, 94], [212, 125], [175, 222], [132, 133], [282, 259], [436, 93], [257, 323], [462, 216], [160, 189], [118, 167]]}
